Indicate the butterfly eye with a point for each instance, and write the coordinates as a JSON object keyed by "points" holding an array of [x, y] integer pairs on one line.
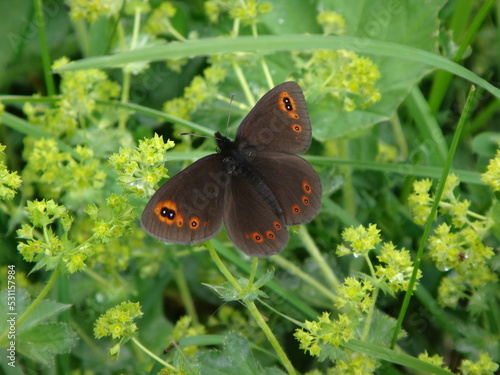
{"points": [[256, 237], [270, 235], [288, 104], [194, 223], [167, 212], [277, 225], [306, 187]]}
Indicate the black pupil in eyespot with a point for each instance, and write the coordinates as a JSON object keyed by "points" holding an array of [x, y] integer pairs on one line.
{"points": [[168, 213], [288, 104]]}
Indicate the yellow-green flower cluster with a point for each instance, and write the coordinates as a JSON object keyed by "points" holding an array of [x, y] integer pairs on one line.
{"points": [[492, 175], [395, 268], [246, 10], [121, 219], [140, 169], [9, 181], [324, 331], [485, 366], [46, 248], [332, 23], [354, 296], [90, 10], [185, 328], [344, 76], [77, 178], [200, 91], [118, 322], [458, 246], [355, 363], [80, 91], [360, 240], [159, 21], [134, 6], [435, 360], [420, 201]]}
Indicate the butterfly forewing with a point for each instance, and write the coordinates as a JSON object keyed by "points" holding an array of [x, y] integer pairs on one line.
{"points": [[278, 122], [188, 208]]}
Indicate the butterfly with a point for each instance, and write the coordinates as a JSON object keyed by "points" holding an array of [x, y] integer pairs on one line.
{"points": [[255, 184]]}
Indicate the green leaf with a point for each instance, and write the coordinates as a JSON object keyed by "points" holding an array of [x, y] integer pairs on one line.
{"points": [[45, 310], [486, 144], [274, 43], [236, 358], [43, 342]]}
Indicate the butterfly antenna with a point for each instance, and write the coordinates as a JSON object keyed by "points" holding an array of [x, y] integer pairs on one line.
{"points": [[229, 114], [196, 135]]}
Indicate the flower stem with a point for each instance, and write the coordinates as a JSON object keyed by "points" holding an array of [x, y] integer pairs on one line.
{"points": [[252, 308], [152, 355], [270, 336], [316, 255]]}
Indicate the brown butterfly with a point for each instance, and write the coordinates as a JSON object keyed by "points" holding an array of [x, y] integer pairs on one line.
{"points": [[255, 184]]}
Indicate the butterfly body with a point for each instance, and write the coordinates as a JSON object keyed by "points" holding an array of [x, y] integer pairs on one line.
{"points": [[255, 184]]}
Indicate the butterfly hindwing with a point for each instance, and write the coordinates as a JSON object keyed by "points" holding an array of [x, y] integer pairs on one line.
{"points": [[294, 183], [251, 224], [188, 207], [278, 122]]}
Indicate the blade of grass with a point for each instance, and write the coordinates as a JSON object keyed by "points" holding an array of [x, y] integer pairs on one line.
{"points": [[44, 49], [443, 78], [24, 127], [274, 43], [403, 169], [392, 356], [432, 215]]}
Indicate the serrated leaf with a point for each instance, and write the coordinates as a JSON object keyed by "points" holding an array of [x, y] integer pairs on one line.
{"points": [[236, 358], [12, 306], [45, 310], [43, 342], [381, 328], [226, 291]]}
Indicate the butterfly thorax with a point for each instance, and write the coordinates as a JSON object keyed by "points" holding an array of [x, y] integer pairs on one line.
{"points": [[237, 159]]}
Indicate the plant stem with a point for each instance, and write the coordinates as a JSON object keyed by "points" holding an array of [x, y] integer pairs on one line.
{"points": [[316, 255], [255, 264], [369, 317], [253, 309], [430, 220], [36, 302], [186, 297], [297, 271], [222, 267], [152, 355], [270, 336]]}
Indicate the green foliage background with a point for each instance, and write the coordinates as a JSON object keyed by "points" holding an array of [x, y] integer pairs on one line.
{"points": [[85, 138]]}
